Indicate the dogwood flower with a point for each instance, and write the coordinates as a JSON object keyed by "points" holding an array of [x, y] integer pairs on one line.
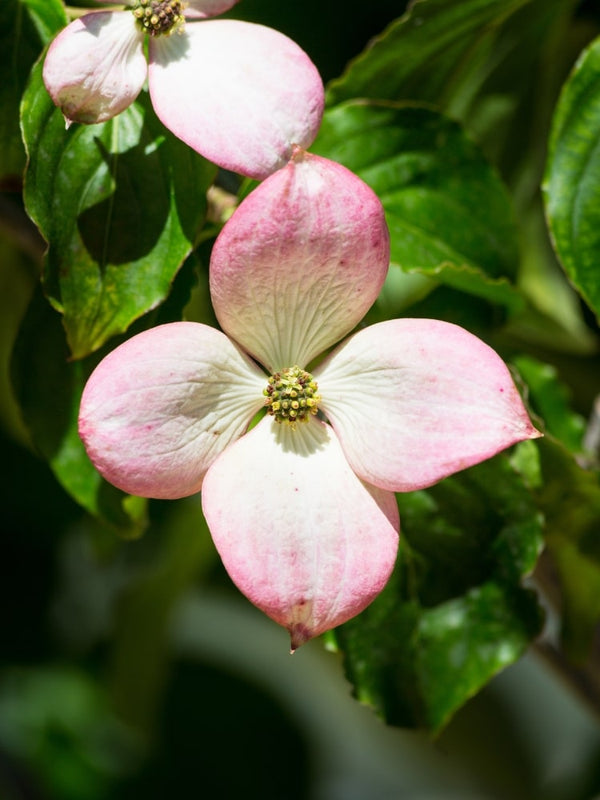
{"points": [[239, 93], [301, 506]]}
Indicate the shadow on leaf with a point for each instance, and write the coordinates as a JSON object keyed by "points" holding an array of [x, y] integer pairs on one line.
{"points": [[126, 225]]}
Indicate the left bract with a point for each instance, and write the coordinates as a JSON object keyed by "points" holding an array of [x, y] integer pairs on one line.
{"points": [[96, 67], [160, 408]]}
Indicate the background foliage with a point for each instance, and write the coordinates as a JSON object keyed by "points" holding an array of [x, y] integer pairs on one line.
{"points": [[121, 654]]}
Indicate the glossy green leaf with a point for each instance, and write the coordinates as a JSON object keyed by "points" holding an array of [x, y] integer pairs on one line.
{"points": [[454, 613], [572, 180], [48, 386], [120, 204], [449, 215], [550, 398], [473, 280], [25, 27], [48, 17], [463, 643], [426, 54]]}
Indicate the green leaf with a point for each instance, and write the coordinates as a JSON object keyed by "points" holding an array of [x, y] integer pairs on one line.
{"points": [[25, 27], [449, 215], [463, 643], [427, 53], [550, 398], [120, 204], [454, 613], [553, 318], [572, 180], [48, 16], [509, 99], [49, 385], [473, 280]]}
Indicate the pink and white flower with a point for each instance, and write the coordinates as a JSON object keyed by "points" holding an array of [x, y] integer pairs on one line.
{"points": [[301, 506], [240, 94]]}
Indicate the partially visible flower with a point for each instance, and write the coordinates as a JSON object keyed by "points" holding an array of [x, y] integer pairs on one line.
{"points": [[240, 94], [302, 506]]}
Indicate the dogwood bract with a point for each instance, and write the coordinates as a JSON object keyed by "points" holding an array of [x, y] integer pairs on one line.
{"points": [[301, 507], [239, 93]]}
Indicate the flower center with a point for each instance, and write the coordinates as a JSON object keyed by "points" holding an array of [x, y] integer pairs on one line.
{"points": [[292, 396], [158, 17]]}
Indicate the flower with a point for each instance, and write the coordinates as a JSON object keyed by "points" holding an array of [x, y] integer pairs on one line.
{"points": [[301, 506], [239, 93]]}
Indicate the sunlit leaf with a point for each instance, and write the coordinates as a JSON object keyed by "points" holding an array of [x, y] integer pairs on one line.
{"points": [[48, 17], [449, 215], [572, 179], [426, 54], [473, 280], [551, 400], [463, 643]]}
